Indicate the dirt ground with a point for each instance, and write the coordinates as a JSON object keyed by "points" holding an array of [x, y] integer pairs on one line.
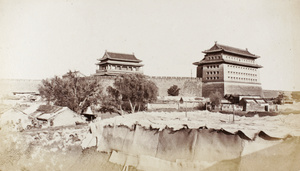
{"points": [[50, 150]]}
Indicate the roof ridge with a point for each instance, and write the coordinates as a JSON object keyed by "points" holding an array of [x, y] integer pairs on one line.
{"points": [[219, 47], [217, 44], [121, 53], [119, 56], [232, 47]]}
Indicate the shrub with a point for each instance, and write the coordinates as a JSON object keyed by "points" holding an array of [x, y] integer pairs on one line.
{"points": [[173, 90]]}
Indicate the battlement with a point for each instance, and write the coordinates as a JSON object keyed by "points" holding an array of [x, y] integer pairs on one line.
{"points": [[174, 78], [20, 80]]}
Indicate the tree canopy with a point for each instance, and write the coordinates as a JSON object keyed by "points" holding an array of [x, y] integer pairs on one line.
{"points": [[74, 92], [134, 89]]}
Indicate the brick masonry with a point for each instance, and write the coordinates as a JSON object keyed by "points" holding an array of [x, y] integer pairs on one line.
{"points": [[243, 88], [212, 87], [189, 86], [231, 88]]}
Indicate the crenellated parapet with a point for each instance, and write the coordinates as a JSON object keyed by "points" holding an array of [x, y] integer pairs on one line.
{"points": [[174, 78]]}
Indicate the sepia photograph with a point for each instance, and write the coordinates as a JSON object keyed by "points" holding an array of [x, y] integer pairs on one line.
{"points": [[143, 85]]}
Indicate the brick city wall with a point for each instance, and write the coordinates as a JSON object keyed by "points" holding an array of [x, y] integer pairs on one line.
{"points": [[8, 86], [188, 86], [105, 81]]}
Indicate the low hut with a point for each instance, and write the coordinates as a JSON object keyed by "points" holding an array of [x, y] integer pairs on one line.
{"points": [[61, 117], [254, 104]]}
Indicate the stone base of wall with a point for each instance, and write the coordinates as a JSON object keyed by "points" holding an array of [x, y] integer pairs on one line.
{"points": [[212, 87], [105, 81], [243, 89], [231, 88]]}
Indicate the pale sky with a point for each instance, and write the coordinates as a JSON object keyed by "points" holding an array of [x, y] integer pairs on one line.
{"points": [[43, 38]]}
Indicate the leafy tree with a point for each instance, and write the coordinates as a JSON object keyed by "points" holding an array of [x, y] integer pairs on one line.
{"points": [[215, 99], [173, 90], [112, 101], [280, 98], [134, 89], [74, 92]]}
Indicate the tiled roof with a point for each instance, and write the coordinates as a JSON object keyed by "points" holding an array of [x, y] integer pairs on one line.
{"points": [[219, 47], [120, 63], [202, 62], [120, 56]]}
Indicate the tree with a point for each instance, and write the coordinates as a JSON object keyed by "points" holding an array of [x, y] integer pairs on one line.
{"points": [[280, 98], [215, 99], [76, 93], [134, 89], [173, 90], [112, 101]]}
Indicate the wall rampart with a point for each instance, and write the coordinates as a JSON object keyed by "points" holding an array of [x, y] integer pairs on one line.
{"points": [[174, 78], [188, 86], [8, 86]]}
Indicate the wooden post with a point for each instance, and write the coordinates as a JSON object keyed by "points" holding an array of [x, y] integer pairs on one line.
{"points": [[185, 110], [233, 114]]}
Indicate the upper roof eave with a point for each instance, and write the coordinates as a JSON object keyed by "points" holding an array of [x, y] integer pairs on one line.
{"points": [[119, 63], [211, 51], [219, 47], [117, 59], [122, 57]]}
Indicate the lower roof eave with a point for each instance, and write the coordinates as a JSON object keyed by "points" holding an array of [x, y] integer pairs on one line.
{"points": [[226, 62]]}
